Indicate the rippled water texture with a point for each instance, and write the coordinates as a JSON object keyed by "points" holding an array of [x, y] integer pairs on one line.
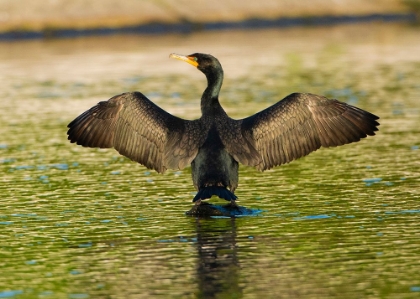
{"points": [[88, 223]]}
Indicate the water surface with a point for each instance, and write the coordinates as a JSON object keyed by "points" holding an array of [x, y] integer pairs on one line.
{"points": [[88, 223]]}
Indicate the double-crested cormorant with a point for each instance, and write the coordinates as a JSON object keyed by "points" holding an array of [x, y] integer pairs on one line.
{"points": [[215, 143]]}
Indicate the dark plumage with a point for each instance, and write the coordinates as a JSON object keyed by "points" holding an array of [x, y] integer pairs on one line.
{"points": [[215, 143]]}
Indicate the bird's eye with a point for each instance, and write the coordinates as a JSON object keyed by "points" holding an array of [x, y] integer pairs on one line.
{"points": [[195, 59]]}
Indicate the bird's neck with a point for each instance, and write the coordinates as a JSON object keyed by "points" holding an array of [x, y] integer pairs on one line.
{"points": [[210, 98]]}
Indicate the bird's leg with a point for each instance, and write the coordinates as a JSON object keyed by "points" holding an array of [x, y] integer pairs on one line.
{"points": [[198, 202]]}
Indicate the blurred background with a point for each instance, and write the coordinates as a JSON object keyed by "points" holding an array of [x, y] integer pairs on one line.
{"points": [[88, 223], [61, 17]]}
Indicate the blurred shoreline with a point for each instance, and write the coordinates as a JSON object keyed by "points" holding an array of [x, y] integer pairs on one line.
{"points": [[22, 19]]}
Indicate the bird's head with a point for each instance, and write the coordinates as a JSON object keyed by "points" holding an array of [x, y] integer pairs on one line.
{"points": [[204, 62]]}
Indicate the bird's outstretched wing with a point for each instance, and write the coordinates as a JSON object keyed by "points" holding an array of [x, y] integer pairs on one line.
{"points": [[139, 130], [298, 125]]}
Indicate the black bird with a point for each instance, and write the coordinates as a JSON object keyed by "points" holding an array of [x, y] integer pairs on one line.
{"points": [[214, 144]]}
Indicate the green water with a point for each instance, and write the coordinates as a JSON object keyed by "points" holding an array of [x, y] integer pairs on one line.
{"points": [[88, 223]]}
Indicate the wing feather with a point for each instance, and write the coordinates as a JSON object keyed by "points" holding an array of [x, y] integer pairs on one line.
{"points": [[139, 130], [296, 126]]}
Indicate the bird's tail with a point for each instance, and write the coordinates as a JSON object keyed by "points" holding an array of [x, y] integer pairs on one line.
{"points": [[222, 192]]}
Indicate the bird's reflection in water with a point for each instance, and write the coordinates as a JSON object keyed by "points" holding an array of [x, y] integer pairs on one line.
{"points": [[218, 265]]}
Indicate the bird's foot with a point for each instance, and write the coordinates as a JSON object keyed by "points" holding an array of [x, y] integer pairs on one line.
{"points": [[198, 202], [233, 204]]}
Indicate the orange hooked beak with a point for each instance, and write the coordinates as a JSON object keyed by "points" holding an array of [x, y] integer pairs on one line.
{"points": [[190, 59]]}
